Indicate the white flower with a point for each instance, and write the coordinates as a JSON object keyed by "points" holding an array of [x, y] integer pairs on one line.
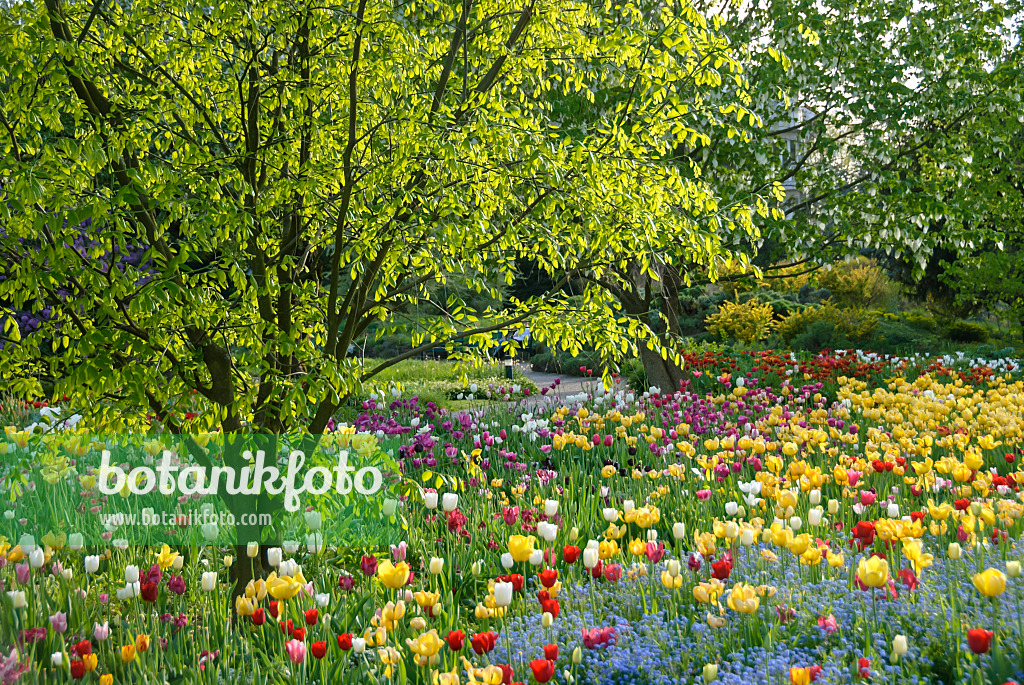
{"points": [[92, 563], [450, 501], [502, 594], [131, 574], [314, 521], [209, 581]]}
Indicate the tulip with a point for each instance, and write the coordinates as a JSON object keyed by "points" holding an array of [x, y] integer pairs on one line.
{"points": [[391, 575], [899, 645], [128, 653], [274, 556], [101, 632], [436, 566], [550, 507], [1013, 569], [430, 500], [507, 561], [59, 622], [979, 640], [450, 501], [252, 550], [209, 581], [873, 572], [521, 547], [358, 645], [503, 594], [990, 582], [710, 673], [954, 551], [389, 507], [679, 530], [590, 557], [57, 659], [296, 651], [92, 563]]}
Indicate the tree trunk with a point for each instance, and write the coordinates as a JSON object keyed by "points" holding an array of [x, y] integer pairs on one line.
{"points": [[660, 372]]}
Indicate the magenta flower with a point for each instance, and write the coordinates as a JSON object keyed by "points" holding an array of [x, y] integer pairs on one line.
{"points": [[59, 621], [176, 584], [22, 573], [296, 651]]}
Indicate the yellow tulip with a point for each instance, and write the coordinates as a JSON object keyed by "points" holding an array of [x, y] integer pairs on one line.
{"points": [[128, 653], [743, 599], [165, 557], [990, 582], [393, 576], [521, 547], [873, 572]]}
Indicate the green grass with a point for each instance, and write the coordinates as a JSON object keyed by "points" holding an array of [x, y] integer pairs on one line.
{"points": [[442, 382]]}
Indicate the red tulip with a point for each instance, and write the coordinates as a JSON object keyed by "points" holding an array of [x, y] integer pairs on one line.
{"points": [[543, 670], [275, 608], [722, 568], [368, 564], [551, 652], [548, 577], [319, 649], [864, 667], [550, 606], [259, 617], [571, 553], [345, 641], [979, 640], [82, 648], [613, 572], [484, 642], [456, 640], [149, 591], [506, 674], [312, 616], [77, 669], [299, 634]]}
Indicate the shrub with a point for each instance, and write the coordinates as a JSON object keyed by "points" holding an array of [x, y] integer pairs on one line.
{"points": [[819, 335], [965, 331], [922, 321], [746, 322], [850, 324], [781, 304], [861, 283]]}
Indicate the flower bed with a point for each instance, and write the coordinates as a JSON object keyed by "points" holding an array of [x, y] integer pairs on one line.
{"points": [[843, 519]]}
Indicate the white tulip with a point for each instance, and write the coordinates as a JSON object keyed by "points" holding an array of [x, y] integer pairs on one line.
{"points": [[430, 500], [314, 521], [628, 506], [450, 501], [37, 558], [436, 566], [507, 561], [537, 558], [610, 514], [76, 541], [590, 557], [252, 550], [550, 507], [92, 563], [290, 546], [390, 507], [358, 645], [502, 594], [131, 574], [679, 530], [209, 581], [57, 659], [18, 599], [274, 556]]}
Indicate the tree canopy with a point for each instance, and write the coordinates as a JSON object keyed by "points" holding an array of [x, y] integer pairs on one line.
{"points": [[211, 202]]}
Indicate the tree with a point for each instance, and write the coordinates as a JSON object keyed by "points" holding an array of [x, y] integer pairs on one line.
{"points": [[869, 115], [295, 172]]}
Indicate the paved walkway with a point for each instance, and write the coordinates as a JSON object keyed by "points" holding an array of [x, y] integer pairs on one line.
{"points": [[570, 385]]}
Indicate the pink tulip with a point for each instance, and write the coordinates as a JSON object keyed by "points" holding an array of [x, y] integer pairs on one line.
{"points": [[296, 651]]}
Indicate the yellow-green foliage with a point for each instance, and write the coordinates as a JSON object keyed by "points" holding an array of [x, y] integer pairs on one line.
{"points": [[734, 278], [792, 279], [854, 324], [748, 322], [857, 284]]}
